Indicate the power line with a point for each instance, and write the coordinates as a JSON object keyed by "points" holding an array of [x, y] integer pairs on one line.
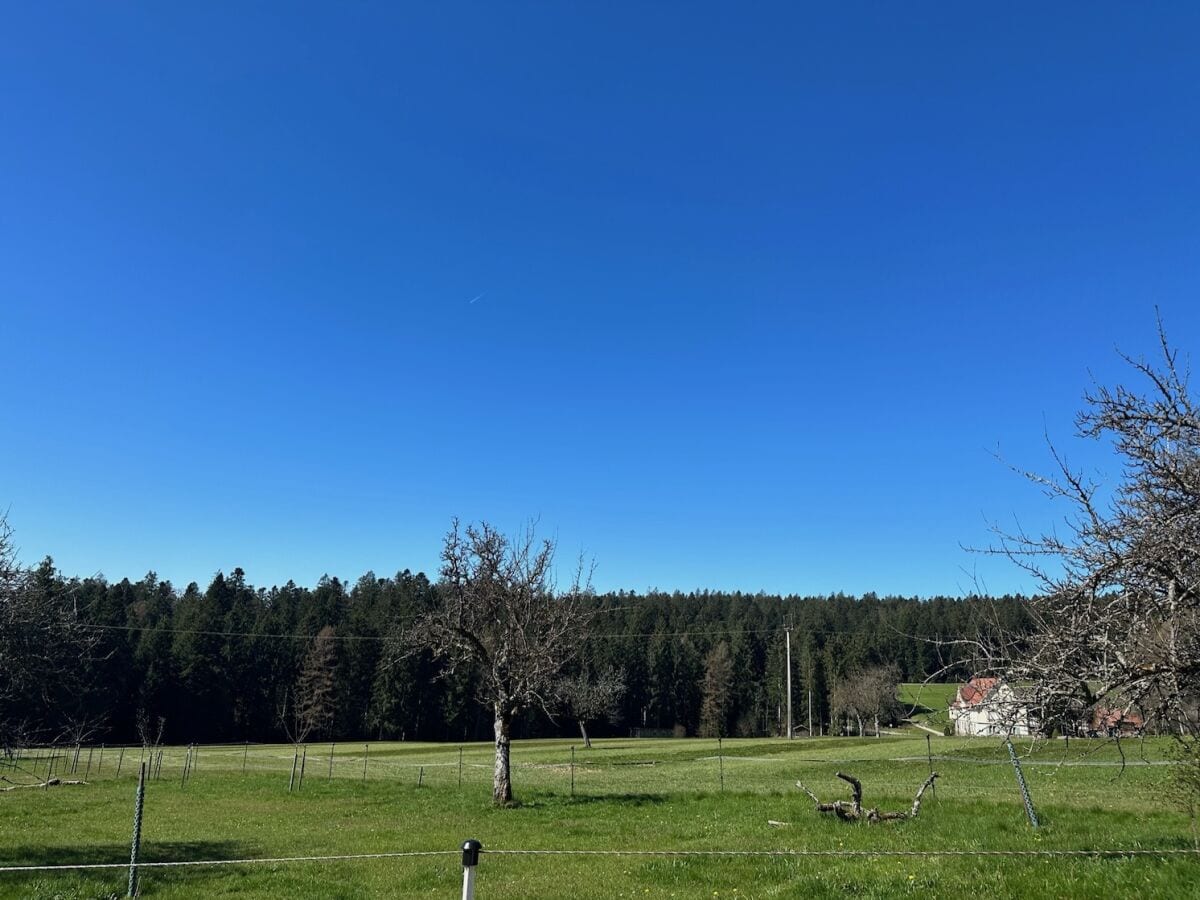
{"points": [[709, 632]]}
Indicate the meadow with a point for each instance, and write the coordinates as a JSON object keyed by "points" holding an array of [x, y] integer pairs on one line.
{"points": [[628, 795], [928, 703]]}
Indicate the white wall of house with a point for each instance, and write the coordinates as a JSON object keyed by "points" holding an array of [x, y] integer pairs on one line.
{"points": [[997, 714]]}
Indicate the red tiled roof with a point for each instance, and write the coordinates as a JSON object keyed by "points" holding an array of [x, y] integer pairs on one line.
{"points": [[1105, 718], [974, 691]]}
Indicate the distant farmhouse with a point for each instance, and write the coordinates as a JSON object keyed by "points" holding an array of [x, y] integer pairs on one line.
{"points": [[988, 706], [1107, 722]]}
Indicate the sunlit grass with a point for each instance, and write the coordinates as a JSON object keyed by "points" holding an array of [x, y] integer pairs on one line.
{"points": [[630, 795]]}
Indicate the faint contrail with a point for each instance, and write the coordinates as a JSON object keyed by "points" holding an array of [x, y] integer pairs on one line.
{"points": [[477, 297]]}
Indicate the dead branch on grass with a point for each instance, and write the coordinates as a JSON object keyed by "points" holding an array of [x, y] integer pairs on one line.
{"points": [[852, 810]]}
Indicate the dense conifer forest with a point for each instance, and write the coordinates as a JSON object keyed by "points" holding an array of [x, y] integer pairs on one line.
{"points": [[217, 664]]}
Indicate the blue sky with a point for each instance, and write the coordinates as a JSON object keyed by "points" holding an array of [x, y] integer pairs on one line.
{"points": [[760, 289]]}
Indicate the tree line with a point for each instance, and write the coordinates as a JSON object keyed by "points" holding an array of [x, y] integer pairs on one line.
{"points": [[235, 662]]}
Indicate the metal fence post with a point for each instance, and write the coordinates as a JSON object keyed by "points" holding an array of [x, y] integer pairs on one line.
{"points": [[460, 766], [721, 761], [572, 770], [136, 845], [331, 746], [470, 859], [245, 753], [120, 759], [366, 756], [1012, 754], [292, 780]]}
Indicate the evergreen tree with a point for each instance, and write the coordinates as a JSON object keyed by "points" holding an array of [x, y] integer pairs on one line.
{"points": [[718, 692]]}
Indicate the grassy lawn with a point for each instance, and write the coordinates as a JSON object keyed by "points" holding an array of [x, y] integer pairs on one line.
{"points": [[929, 703], [629, 795]]}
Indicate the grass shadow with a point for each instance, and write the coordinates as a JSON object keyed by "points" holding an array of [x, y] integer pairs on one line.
{"points": [[639, 799], [159, 851], [71, 883]]}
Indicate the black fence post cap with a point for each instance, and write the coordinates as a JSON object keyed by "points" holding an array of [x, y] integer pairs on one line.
{"points": [[470, 851]]}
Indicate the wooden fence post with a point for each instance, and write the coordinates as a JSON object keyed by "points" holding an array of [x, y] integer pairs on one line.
{"points": [[721, 761], [929, 756]]}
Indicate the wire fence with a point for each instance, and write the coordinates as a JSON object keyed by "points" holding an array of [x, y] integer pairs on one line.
{"points": [[1108, 853], [549, 767], [472, 852]]}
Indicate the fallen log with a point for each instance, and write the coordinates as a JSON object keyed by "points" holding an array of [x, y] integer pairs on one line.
{"points": [[852, 810], [53, 782]]}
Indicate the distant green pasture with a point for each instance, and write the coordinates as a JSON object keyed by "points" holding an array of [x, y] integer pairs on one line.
{"points": [[928, 703]]}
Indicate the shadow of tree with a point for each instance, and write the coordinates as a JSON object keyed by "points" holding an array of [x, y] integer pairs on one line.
{"points": [[158, 851], [73, 883], [538, 800], [624, 799]]}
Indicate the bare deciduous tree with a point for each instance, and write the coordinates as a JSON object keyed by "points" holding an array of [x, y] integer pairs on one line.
{"points": [[499, 611], [1117, 614], [43, 651], [150, 733], [867, 695], [589, 697]]}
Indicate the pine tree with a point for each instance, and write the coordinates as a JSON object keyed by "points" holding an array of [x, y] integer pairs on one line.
{"points": [[718, 691], [315, 687]]}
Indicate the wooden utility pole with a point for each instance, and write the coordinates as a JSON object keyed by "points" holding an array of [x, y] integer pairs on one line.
{"points": [[787, 630]]}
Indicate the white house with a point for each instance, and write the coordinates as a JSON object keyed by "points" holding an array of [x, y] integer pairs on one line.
{"points": [[987, 706]]}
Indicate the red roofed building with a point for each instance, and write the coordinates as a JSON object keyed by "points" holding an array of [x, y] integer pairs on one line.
{"points": [[1107, 722], [987, 706]]}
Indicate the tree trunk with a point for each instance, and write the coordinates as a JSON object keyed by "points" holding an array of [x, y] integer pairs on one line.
{"points": [[501, 784], [587, 741]]}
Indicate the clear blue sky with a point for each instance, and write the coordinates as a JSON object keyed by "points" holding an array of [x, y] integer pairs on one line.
{"points": [[759, 288]]}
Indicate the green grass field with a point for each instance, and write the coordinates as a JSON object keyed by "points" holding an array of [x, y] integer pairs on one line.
{"points": [[629, 795], [928, 704]]}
